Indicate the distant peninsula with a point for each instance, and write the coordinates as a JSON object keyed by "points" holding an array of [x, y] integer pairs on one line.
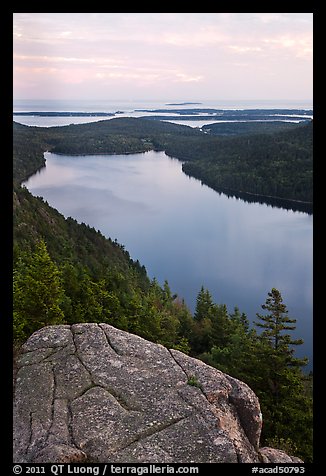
{"points": [[66, 114]]}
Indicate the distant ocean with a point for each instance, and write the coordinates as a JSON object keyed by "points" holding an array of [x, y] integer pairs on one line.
{"points": [[132, 108]]}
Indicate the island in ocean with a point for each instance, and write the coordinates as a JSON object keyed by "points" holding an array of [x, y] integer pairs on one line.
{"points": [[183, 103]]}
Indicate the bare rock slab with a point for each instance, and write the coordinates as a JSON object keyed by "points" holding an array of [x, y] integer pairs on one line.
{"points": [[90, 392]]}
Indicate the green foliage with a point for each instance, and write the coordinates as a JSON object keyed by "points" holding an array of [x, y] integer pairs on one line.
{"points": [[265, 362], [193, 381], [265, 165], [253, 166], [253, 127], [284, 444], [274, 324], [65, 272], [285, 403], [204, 305], [99, 280], [37, 293], [28, 150]]}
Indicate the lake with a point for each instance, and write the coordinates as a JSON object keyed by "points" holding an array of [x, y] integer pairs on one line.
{"points": [[188, 234]]}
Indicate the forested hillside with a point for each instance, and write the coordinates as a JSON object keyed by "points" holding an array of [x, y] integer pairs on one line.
{"points": [[254, 127], [274, 164], [65, 272], [98, 279]]}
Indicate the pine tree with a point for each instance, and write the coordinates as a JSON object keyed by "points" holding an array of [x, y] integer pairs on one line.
{"points": [[286, 407], [274, 323], [204, 304], [37, 293]]}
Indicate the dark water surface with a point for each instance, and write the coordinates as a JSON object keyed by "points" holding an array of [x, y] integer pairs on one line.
{"points": [[187, 233]]}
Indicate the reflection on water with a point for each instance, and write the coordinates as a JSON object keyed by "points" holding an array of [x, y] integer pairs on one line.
{"points": [[186, 233]]}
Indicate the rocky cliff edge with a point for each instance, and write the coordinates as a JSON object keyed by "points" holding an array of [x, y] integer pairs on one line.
{"points": [[93, 393]]}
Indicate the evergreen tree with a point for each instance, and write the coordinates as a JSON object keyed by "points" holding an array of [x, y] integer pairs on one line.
{"points": [[200, 340], [234, 346], [204, 304], [38, 293], [280, 386], [274, 323], [221, 325]]}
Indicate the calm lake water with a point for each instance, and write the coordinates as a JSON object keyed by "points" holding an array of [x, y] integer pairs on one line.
{"points": [[187, 233]]}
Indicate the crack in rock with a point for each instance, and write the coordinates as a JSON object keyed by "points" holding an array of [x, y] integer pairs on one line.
{"points": [[91, 392]]}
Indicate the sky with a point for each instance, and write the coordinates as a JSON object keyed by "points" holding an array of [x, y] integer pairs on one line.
{"points": [[158, 56]]}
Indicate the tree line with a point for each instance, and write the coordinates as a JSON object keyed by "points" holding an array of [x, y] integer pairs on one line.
{"points": [[46, 293], [277, 163], [66, 272]]}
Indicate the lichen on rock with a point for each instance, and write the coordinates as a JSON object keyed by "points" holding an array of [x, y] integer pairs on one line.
{"points": [[91, 392]]}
